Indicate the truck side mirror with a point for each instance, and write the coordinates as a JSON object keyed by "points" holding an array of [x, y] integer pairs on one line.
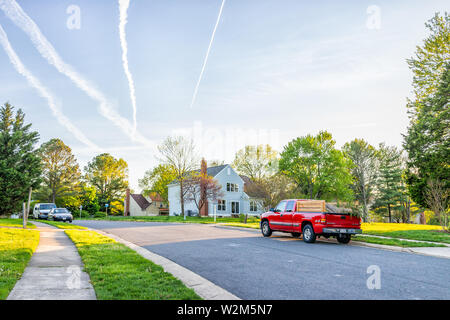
{"points": [[272, 210]]}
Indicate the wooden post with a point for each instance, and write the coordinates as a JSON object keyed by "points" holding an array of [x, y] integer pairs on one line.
{"points": [[24, 216], [29, 201]]}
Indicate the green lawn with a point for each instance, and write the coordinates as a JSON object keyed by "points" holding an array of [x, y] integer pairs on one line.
{"points": [[119, 273], [395, 242], [421, 235], [62, 225], [178, 219], [6, 222], [16, 248]]}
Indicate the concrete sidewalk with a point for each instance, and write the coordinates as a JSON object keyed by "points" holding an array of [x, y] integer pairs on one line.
{"points": [[54, 271]]}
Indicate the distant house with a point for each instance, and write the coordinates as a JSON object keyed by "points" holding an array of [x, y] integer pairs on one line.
{"points": [[151, 205], [234, 201]]}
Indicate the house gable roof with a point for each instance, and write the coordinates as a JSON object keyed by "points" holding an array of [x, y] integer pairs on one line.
{"points": [[141, 201], [210, 171]]}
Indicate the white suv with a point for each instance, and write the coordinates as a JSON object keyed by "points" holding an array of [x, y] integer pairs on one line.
{"points": [[41, 210]]}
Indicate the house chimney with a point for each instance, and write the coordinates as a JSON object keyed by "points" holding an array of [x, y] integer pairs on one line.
{"points": [[203, 175], [126, 212]]}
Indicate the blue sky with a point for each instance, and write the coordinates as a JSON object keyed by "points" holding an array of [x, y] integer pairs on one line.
{"points": [[277, 69]]}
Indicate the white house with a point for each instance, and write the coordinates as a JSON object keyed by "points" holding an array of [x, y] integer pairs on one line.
{"points": [[234, 201]]}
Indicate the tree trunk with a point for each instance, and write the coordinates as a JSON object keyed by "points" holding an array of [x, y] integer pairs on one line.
{"points": [[182, 198], [390, 216]]}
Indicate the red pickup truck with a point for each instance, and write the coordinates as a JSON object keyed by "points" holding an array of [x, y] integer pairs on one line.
{"points": [[309, 217]]}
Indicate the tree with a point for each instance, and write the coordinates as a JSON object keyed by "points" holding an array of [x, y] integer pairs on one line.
{"points": [[390, 188], [364, 171], [273, 189], [60, 171], [201, 188], [437, 200], [88, 198], [318, 169], [430, 60], [179, 154], [256, 162], [109, 176], [20, 166], [157, 179], [428, 142]]}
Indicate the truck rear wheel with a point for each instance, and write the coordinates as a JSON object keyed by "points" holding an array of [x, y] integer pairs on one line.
{"points": [[343, 238], [308, 234], [265, 229]]}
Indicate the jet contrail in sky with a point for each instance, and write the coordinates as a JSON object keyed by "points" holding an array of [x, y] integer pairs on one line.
{"points": [[43, 91], [14, 12], [123, 8], [207, 55]]}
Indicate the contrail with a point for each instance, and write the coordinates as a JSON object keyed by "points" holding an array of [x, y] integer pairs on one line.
{"points": [[207, 55], [123, 8], [24, 22], [43, 91]]}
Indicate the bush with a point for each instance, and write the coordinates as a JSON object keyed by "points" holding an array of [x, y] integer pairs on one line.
{"points": [[84, 214], [100, 214]]}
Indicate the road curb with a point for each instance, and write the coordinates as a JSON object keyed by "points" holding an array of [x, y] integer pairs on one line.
{"points": [[203, 287]]}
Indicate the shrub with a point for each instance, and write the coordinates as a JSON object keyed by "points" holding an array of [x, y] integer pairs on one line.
{"points": [[100, 214], [84, 214]]}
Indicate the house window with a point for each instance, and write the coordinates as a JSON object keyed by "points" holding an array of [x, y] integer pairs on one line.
{"points": [[253, 206], [234, 207], [232, 187], [221, 205]]}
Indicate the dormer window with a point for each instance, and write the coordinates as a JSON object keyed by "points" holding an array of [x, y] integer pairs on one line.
{"points": [[232, 187]]}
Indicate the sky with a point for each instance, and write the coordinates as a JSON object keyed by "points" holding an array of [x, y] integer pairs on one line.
{"points": [[276, 70]]}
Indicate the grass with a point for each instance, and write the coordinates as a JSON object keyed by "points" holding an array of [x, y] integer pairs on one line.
{"points": [[390, 227], [395, 242], [421, 235], [251, 225], [6, 222], [62, 225], [407, 231], [177, 219], [119, 273], [16, 248]]}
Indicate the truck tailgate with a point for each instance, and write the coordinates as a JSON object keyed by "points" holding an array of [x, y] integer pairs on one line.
{"points": [[342, 220]]}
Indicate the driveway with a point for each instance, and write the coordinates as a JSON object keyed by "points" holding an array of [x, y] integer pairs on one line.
{"points": [[281, 267]]}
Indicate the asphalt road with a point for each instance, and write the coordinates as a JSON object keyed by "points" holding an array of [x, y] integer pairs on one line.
{"points": [[281, 267]]}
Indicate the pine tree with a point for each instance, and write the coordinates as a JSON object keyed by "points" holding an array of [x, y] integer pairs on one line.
{"points": [[390, 188], [19, 164]]}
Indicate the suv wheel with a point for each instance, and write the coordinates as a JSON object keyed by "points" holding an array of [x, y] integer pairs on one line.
{"points": [[308, 234], [343, 238], [265, 229]]}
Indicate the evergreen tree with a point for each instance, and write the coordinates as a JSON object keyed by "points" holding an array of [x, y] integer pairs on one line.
{"points": [[19, 164], [390, 187], [428, 143]]}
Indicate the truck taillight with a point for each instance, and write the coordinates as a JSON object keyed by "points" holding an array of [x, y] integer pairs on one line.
{"points": [[323, 220]]}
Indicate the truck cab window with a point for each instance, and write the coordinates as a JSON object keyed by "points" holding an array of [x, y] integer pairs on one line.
{"points": [[290, 206]]}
